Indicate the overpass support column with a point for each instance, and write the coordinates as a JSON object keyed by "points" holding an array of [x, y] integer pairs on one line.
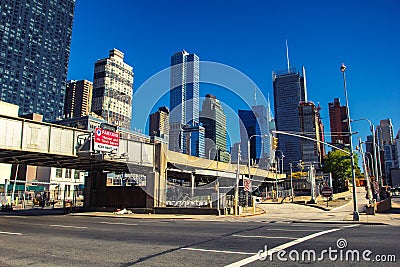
{"points": [[192, 180], [95, 182], [156, 181]]}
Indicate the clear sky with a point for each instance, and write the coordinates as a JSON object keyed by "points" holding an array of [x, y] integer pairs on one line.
{"points": [[250, 37]]}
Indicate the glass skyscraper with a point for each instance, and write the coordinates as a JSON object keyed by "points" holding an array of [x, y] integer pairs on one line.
{"points": [[184, 96], [34, 52], [213, 119], [255, 122], [289, 90]]}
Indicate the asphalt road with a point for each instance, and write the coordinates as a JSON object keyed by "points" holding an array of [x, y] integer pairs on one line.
{"points": [[64, 240]]}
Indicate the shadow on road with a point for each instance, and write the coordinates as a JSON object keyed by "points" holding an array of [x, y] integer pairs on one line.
{"points": [[33, 212]]}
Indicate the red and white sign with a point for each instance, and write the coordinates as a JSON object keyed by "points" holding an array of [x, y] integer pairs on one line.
{"points": [[326, 191], [105, 140], [246, 184]]}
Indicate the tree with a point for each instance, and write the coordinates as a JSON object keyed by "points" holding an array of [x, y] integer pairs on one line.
{"points": [[339, 164]]}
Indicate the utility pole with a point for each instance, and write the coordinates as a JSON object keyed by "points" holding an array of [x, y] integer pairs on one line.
{"points": [[237, 183], [291, 181], [311, 176]]}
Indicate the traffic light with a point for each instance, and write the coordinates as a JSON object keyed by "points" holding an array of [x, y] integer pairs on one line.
{"points": [[274, 143]]}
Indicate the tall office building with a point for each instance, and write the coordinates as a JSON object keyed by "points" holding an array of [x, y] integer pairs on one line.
{"points": [[339, 124], [34, 52], [78, 98], [289, 90], [159, 122], [213, 119], [113, 89], [193, 140], [254, 126], [310, 124], [184, 96], [384, 133]]}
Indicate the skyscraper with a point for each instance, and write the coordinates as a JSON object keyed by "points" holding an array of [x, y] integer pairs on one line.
{"points": [[310, 124], [213, 119], [78, 98], [159, 122], [113, 89], [339, 124], [254, 125], [34, 52], [289, 90], [384, 132], [193, 140], [184, 96]]}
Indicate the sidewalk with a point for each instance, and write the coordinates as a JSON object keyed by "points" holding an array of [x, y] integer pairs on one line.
{"points": [[247, 212]]}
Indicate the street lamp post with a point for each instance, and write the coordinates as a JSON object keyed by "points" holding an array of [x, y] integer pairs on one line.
{"points": [[356, 216], [371, 127], [291, 181], [371, 163], [237, 182], [281, 159], [248, 149], [248, 154]]}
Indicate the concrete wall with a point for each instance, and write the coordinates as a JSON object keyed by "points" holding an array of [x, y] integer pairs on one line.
{"points": [[7, 109]]}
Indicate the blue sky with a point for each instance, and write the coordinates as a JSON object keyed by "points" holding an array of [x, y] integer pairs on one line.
{"points": [[250, 37]]}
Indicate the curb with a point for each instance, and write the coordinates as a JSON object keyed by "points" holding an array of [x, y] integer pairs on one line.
{"points": [[178, 217], [130, 217], [341, 222], [324, 208]]}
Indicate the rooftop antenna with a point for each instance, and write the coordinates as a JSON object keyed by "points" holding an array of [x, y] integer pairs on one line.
{"points": [[287, 57]]}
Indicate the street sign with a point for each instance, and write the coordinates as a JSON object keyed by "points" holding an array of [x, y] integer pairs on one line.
{"points": [[326, 191], [105, 140], [246, 184]]}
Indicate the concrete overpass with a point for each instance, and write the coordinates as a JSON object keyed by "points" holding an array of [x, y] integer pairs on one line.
{"points": [[28, 142]]}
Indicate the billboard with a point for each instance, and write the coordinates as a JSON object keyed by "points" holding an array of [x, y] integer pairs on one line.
{"points": [[105, 140]]}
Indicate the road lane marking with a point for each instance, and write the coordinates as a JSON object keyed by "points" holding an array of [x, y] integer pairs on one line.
{"points": [[68, 226], [9, 233], [292, 230], [262, 236], [219, 251], [116, 223], [350, 226], [14, 216], [280, 247]]}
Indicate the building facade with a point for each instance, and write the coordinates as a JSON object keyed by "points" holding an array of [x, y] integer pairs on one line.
{"points": [[113, 89], [254, 126], [384, 133], [159, 123], [289, 90], [339, 124], [34, 53], [78, 98], [184, 96], [213, 119], [310, 124], [193, 141]]}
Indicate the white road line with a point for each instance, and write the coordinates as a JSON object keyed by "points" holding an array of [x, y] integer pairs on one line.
{"points": [[68, 226], [14, 216], [119, 223], [350, 226], [219, 251], [262, 236], [293, 230], [278, 248], [9, 233]]}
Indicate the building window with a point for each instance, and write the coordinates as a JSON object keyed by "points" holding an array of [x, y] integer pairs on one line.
{"points": [[58, 173]]}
